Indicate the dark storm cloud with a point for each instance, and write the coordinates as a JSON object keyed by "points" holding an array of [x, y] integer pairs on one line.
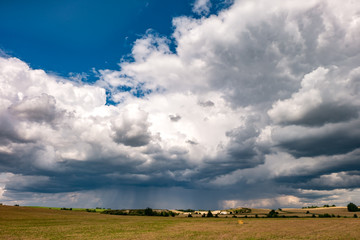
{"points": [[323, 173], [243, 150], [327, 113], [139, 140], [310, 142]]}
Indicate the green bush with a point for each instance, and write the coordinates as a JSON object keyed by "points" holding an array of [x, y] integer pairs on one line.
{"points": [[70, 209], [272, 214], [310, 207], [352, 207], [115, 212], [242, 210], [186, 210], [148, 212]]}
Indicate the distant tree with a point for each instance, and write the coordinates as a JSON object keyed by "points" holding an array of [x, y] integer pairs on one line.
{"points": [[209, 214], [355, 216], [66, 208], [204, 215], [352, 207], [272, 214], [189, 215], [148, 212]]}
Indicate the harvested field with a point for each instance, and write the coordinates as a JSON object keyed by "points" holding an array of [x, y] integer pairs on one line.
{"points": [[41, 223]]}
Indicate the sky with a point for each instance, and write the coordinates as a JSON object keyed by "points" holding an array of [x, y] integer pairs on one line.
{"points": [[198, 104]]}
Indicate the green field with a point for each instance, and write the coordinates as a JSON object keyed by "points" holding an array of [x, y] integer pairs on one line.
{"points": [[45, 223]]}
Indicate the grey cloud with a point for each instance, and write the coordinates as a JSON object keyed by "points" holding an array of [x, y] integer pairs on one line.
{"points": [[322, 173], [122, 136], [174, 118], [327, 113], [38, 109], [328, 140], [131, 132], [335, 180], [244, 145], [341, 180], [8, 131], [242, 152], [238, 67], [207, 104], [67, 175], [191, 142]]}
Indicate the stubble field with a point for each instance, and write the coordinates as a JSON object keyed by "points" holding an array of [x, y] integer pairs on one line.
{"points": [[41, 223]]}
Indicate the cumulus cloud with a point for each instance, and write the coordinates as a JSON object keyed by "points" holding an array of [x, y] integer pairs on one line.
{"points": [[324, 97], [39, 109], [132, 128], [262, 109]]}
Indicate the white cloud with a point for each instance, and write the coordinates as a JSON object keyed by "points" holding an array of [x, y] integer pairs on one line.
{"points": [[202, 7]]}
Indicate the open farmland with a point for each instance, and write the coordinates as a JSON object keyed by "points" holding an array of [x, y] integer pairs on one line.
{"points": [[42, 223]]}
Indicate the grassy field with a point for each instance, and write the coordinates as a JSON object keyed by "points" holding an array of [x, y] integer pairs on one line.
{"points": [[73, 209], [44, 223]]}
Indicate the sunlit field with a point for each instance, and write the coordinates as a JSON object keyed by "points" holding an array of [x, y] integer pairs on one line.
{"points": [[43, 223]]}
